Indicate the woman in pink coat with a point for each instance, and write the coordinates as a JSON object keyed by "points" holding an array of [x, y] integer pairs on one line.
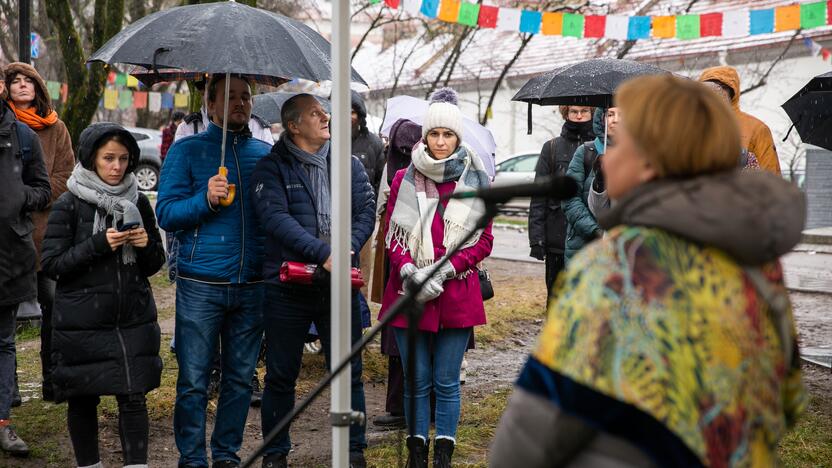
{"points": [[441, 164]]}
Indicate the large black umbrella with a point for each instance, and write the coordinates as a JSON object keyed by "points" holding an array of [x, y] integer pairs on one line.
{"points": [[268, 105], [811, 111], [222, 37], [589, 83]]}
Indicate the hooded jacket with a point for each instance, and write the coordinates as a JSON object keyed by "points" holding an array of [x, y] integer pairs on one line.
{"points": [[105, 338], [756, 136], [366, 146], [222, 245], [581, 225], [678, 325], [58, 156], [547, 222], [26, 190]]}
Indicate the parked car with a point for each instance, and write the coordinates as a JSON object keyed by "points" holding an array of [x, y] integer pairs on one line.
{"points": [[517, 169], [150, 161]]}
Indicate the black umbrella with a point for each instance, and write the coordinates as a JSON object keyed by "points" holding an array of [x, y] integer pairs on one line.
{"points": [[268, 105], [811, 111], [589, 83], [222, 37]]}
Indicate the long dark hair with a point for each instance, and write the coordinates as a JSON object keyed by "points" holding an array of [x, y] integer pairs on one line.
{"points": [[41, 103]]}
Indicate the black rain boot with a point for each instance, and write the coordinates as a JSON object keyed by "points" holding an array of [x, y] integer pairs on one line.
{"points": [[417, 449], [443, 450]]}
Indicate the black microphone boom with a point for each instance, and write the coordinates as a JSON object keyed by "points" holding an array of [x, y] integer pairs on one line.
{"points": [[559, 188]]}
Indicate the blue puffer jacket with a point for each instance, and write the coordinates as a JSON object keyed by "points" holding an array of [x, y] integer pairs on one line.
{"points": [[285, 206], [580, 224], [223, 246]]}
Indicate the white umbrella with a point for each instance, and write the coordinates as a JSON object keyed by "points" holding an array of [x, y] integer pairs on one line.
{"points": [[414, 109]]}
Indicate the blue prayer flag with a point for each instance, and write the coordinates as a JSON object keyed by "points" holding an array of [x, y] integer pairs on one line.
{"points": [[639, 28], [530, 22], [762, 21]]}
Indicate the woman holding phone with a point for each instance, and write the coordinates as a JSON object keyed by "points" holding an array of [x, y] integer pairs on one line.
{"points": [[101, 245]]}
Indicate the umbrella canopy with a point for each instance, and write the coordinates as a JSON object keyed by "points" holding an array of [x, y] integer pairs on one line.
{"points": [[223, 37], [414, 109], [811, 111], [589, 83], [268, 105]]}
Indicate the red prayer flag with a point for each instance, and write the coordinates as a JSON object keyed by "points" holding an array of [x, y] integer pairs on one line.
{"points": [[488, 16], [826, 54], [595, 25], [392, 3], [111, 77], [829, 12], [139, 100], [710, 24]]}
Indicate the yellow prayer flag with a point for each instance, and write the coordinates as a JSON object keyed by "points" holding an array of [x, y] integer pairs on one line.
{"points": [[787, 18], [664, 27], [110, 99], [449, 10], [132, 82], [180, 100], [552, 24]]}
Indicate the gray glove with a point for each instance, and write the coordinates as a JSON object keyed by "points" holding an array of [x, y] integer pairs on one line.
{"points": [[446, 272], [431, 289], [407, 271]]}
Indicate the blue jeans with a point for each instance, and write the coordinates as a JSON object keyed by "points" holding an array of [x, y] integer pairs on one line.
{"points": [[287, 315], [205, 315], [438, 369]]}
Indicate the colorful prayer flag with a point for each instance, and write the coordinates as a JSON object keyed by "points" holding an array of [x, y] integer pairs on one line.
{"points": [[110, 99], [412, 6], [595, 25], [508, 20], [488, 16], [54, 89], [125, 99], [132, 82], [573, 25], [111, 78], [552, 24], [735, 23], [812, 15], [154, 102], [468, 14], [180, 100], [139, 100], [664, 27], [787, 18], [449, 10], [530, 22], [394, 4], [121, 79], [710, 25], [64, 92], [688, 27], [826, 53], [617, 27], [429, 8], [829, 12], [761, 21], [639, 28], [167, 101], [373, 2]]}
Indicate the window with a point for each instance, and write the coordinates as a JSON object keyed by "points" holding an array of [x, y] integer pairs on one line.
{"points": [[526, 163]]}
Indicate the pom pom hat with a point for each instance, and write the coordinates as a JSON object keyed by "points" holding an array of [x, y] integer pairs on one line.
{"points": [[443, 113]]}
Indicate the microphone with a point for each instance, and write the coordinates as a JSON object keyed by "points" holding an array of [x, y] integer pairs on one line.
{"points": [[559, 188]]}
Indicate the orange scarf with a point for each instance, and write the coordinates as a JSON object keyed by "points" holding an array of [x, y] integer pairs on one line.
{"points": [[32, 119]]}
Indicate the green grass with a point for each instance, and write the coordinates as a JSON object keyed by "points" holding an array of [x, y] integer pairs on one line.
{"points": [[810, 443], [512, 221]]}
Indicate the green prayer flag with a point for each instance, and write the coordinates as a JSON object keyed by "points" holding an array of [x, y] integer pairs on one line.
{"points": [[125, 99], [468, 14], [687, 27], [121, 79], [812, 15], [373, 2], [573, 25], [54, 89]]}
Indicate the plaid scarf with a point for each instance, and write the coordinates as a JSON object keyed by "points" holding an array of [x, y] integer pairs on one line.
{"points": [[412, 216]]}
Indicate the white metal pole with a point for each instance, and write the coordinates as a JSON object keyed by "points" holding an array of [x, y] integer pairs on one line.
{"points": [[341, 225]]}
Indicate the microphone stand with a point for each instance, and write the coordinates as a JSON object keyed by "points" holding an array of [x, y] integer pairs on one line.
{"points": [[406, 304]]}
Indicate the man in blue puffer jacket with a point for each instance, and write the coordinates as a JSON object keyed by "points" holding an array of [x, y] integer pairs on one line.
{"points": [[219, 289], [292, 198]]}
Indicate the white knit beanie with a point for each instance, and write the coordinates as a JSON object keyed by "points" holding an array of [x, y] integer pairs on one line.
{"points": [[443, 113]]}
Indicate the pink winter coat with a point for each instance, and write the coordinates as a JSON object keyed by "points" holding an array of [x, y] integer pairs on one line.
{"points": [[460, 306]]}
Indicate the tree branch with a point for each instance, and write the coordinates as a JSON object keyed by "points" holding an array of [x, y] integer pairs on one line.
{"points": [[763, 80]]}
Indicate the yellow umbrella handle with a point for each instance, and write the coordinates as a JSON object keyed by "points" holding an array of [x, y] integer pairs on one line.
{"points": [[232, 189]]}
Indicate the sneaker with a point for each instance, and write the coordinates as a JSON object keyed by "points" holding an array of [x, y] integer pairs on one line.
{"points": [[225, 464], [357, 460], [390, 421], [276, 460], [256, 392], [11, 443], [214, 384]]}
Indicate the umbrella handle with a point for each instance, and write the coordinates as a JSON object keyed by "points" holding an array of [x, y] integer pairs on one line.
{"points": [[232, 188]]}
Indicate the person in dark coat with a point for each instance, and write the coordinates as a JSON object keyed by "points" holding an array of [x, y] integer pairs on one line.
{"points": [[101, 245], [291, 195], [26, 190], [366, 145], [547, 223]]}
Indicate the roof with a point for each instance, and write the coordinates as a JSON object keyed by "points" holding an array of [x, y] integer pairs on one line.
{"points": [[489, 50]]}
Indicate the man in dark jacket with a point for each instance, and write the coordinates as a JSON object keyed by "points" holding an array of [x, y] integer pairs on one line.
{"points": [[292, 198], [547, 223], [26, 189], [366, 145], [219, 290]]}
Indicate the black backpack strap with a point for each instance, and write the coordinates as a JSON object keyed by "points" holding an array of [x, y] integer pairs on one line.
{"points": [[590, 155]]}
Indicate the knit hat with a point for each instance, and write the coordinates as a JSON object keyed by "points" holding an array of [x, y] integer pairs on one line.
{"points": [[443, 113]]}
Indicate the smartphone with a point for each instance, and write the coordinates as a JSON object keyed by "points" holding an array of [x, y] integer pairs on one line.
{"points": [[127, 227]]}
